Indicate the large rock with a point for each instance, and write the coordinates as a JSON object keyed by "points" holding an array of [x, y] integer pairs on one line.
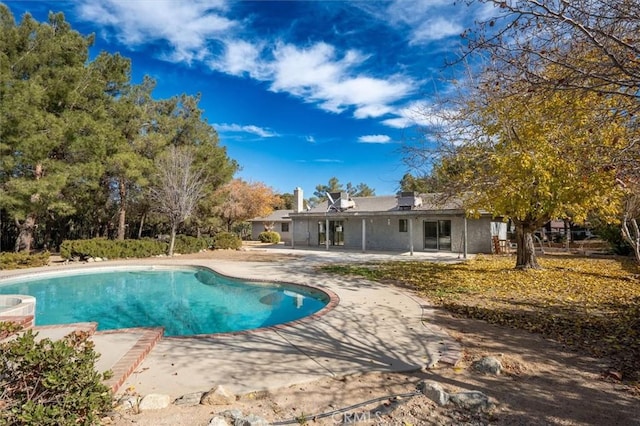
{"points": [[252, 420], [218, 396], [488, 365], [218, 421], [237, 418], [434, 392], [471, 400], [127, 402], [154, 401], [189, 399]]}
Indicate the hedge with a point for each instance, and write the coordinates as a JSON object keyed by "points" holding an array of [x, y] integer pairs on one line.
{"points": [[118, 249]]}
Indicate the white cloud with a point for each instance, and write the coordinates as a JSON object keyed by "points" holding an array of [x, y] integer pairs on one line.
{"points": [[417, 114], [426, 21], [302, 71], [200, 31], [320, 75], [310, 139], [237, 128], [374, 139], [240, 57], [186, 26], [372, 110], [436, 29], [327, 160]]}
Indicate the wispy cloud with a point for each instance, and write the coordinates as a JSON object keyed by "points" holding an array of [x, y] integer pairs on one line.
{"points": [[416, 114], [321, 75], [207, 31], [310, 139], [240, 58], [327, 160], [238, 128], [374, 139], [435, 29], [425, 21], [186, 27]]}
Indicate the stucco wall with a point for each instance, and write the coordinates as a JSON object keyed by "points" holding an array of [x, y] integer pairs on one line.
{"points": [[258, 227], [382, 233]]}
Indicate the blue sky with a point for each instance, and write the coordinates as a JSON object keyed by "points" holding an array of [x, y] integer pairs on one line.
{"points": [[299, 91]]}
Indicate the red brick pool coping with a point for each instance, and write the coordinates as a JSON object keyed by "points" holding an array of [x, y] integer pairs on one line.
{"points": [[134, 356], [127, 364]]}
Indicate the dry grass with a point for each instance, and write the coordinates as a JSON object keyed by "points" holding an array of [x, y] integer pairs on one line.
{"points": [[589, 304]]}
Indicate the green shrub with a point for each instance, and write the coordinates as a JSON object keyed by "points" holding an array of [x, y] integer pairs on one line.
{"points": [[269, 237], [116, 249], [613, 235], [7, 328], [226, 240], [186, 244], [23, 260], [112, 249], [51, 382]]}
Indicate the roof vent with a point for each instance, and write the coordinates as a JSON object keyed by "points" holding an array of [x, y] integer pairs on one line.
{"points": [[339, 201], [409, 200]]}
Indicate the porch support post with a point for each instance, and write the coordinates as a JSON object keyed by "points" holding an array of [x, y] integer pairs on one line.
{"points": [[293, 233], [326, 234], [364, 235], [410, 220], [465, 243]]}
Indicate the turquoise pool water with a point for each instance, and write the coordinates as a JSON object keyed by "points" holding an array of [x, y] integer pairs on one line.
{"points": [[186, 301]]}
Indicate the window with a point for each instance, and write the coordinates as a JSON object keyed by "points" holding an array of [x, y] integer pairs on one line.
{"points": [[284, 227], [403, 225]]}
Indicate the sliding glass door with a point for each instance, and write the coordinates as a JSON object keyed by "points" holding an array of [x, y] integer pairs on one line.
{"points": [[437, 235], [335, 233]]}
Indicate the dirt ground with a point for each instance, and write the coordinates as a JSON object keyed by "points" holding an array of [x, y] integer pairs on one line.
{"points": [[542, 383]]}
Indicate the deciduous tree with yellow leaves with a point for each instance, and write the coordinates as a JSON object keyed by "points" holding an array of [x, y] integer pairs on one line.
{"points": [[531, 157]]}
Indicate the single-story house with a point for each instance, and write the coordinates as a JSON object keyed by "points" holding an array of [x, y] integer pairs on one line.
{"points": [[277, 221], [404, 222]]}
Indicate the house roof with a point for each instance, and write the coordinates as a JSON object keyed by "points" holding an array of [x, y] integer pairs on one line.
{"points": [[389, 204], [275, 216]]}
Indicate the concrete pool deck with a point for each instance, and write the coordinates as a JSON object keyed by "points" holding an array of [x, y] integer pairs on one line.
{"points": [[375, 327]]}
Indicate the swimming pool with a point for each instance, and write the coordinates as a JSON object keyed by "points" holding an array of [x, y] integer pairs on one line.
{"points": [[185, 300]]}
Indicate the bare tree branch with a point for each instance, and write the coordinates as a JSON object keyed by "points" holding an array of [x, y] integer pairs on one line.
{"points": [[178, 188]]}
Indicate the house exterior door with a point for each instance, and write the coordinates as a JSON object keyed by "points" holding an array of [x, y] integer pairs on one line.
{"points": [[437, 235], [335, 233]]}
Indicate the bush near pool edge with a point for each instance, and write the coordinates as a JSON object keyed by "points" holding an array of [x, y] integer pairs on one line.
{"points": [[269, 237], [226, 241], [52, 382], [121, 249], [10, 260]]}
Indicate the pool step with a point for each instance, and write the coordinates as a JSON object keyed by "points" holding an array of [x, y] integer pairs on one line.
{"points": [[123, 350]]}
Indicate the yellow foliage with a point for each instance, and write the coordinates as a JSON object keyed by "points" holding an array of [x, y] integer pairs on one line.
{"points": [[589, 304], [541, 155]]}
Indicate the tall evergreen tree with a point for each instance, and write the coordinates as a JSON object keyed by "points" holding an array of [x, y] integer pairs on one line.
{"points": [[50, 108]]}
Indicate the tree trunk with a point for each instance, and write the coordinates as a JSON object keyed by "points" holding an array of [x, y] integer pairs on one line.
{"points": [[632, 235], [526, 251], [144, 215], [27, 228], [172, 241], [122, 213]]}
